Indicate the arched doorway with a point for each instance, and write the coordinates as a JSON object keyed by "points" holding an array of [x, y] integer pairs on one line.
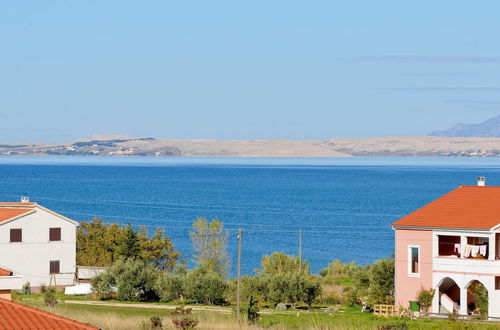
{"points": [[477, 298], [449, 296]]}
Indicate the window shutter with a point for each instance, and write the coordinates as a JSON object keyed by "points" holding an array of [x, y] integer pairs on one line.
{"points": [[16, 235], [54, 234], [54, 267]]}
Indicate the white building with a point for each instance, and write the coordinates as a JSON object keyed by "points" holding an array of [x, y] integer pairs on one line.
{"points": [[37, 246]]}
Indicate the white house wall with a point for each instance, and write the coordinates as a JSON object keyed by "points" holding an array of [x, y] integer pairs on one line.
{"points": [[31, 257]]}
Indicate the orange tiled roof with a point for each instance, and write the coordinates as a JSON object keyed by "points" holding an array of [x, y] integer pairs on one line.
{"points": [[17, 316], [467, 207], [29, 204], [9, 213], [5, 272]]}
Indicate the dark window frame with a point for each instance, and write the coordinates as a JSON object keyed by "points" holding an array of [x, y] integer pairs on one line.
{"points": [[16, 235], [54, 266], [55, 234]]}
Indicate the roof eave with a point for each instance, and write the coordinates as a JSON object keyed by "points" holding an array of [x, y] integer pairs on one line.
{"points": [[441, 228]]}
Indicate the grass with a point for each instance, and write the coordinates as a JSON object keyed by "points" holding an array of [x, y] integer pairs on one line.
{"points": [[117, 318]]}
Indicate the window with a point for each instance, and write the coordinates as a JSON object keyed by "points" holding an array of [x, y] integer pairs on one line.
{"points": [[16, 235], [414, 260], [54, 234], [497, 282], [54, 267]]}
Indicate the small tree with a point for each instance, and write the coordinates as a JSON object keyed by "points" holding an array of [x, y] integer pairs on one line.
{"points": [[280, 263], [204, 286], [133, 279], [210, 245], [128, 245], [182, 318], [424, 298], [169, 286], [49, 298], [252, 311], [480, 294]]}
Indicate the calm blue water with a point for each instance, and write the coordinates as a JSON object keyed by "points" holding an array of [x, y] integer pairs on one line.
{"points": [[343, 206]]}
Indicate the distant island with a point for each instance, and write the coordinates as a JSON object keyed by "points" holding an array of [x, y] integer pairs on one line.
{"points": [[117, 145], [488, 128]]}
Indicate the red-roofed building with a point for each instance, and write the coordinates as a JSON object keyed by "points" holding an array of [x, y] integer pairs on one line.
{"points": [[37, 246], [15, 316], [451, 245]]}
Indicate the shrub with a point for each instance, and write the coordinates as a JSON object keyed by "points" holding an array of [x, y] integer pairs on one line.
{"points": [[49, 298], [156, 322], [182, 318], [169, 287], [339, 269], [281, 307], [26, 288], [134, 280], [204, 286], [351, 296], [424, 298], [252, 311]]}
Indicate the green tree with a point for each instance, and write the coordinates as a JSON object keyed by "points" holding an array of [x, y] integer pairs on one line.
{"points": [[100, 245], [157, 249], [133, 279], [381, 278], [280, 263], [128, 244], [338, 268], [169, 286], [204, 286], [480, 295], [210, 245], [96, 243]]}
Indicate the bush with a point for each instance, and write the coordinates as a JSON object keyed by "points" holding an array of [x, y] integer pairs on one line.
{"points": [[156, 322], [49, 298], [281, 307], [204, 286], [169, 287], [424, 298], [351, 296], [26, 288], [339, 269], [134, 280], [252, 311], [182, 318]]}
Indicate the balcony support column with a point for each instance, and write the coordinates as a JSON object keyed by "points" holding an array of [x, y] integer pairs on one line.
{"points": [[463, 243], [462, 310], [492, 247]]}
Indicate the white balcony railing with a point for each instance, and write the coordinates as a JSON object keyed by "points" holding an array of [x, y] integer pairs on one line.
{"points": [[14, 282], [466, 265]]}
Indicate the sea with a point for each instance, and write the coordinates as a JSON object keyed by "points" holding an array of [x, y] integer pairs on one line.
{"points": [[342, 207]]}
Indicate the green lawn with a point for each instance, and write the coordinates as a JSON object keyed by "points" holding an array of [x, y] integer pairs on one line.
{"points": [[115, 317]]}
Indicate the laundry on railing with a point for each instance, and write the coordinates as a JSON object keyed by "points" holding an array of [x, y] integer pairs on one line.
{"points": [[474, 250]]}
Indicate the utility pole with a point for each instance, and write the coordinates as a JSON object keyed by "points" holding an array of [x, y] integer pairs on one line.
{"points": [[300, 251], [238, 283]]}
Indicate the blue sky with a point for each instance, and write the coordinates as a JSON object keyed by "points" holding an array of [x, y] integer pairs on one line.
{"points": [[245, 69]]}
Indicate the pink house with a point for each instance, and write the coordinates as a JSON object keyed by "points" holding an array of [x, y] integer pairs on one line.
{"points": [[449, 245]]}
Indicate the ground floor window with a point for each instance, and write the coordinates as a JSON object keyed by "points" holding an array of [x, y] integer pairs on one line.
{"points": [[54, 266]]}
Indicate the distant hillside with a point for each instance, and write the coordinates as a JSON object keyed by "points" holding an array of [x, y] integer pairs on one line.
{"points": [[116, 145], [488, 128]]}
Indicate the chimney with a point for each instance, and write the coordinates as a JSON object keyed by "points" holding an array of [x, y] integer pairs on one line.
{"points": [[25, 199], [481, 181]]}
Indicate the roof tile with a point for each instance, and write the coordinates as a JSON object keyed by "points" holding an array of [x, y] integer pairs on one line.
{"points": [[16, 316], [467, 207]]}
